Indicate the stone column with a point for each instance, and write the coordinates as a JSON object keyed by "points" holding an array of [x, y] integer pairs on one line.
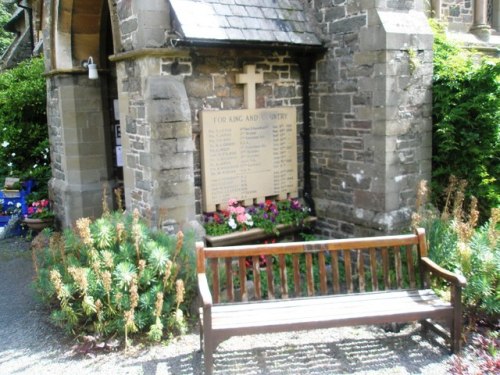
{"points": [[496, 16], [480, 27], [436, 9], [81, 160], [157, 144]]}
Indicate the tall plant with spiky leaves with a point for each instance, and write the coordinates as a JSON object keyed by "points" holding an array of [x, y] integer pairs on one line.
{"points": [[115, 275], [457, 243]]}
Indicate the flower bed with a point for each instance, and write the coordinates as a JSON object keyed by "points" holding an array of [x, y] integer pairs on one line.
{"points": [[239, 224]]}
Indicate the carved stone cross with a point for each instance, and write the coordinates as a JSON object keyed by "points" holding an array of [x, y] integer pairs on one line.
{"points": [[249, 78]]}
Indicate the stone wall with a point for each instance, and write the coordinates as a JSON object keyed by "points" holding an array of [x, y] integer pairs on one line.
{"points": [[210, 84], [459, 14], [371, 112], [143, 24]]}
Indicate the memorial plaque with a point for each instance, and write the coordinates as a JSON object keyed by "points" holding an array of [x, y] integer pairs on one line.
{"points": [[248, 154]]}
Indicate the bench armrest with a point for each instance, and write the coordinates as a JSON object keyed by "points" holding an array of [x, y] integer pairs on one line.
{"points": [[205, 294], [455, 279]]}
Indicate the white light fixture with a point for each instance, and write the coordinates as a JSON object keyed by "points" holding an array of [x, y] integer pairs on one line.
{"points": [[89, 64]]}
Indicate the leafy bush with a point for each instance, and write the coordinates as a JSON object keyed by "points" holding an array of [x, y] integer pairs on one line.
{"points": [[117, 276], [24, 145], [457, 244], [466, 116]]}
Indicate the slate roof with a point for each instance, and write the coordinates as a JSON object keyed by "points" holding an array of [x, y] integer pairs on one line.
{"points": [[265, 21]]}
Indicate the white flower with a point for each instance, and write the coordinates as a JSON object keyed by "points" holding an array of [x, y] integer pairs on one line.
{"points": [[9, 164], [13, 154], [232, 223], [248, 220], [10, 203], [36, 165], [5, 144], [18, 205]]}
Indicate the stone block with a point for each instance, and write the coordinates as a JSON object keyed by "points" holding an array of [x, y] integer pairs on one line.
{"points": [[369, 200], [174, 161], [185, 145], [165, 111], [348, 25], [171, 130], [169, 189], [336, 103], [176, 175], [129, 26]]}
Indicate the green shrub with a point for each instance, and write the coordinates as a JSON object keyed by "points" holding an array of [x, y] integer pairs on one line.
{"points": [[457, 244], [117, 276], [466, 117], [24, 145]]}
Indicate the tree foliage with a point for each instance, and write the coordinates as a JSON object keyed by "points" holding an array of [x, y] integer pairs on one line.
{"points": [[466, 116], [6, 37], [24, 145]]}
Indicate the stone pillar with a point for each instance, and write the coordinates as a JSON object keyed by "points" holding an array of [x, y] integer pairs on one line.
{"points": [[496, 16], [81, 160], [156, 143], [436, 9], [371, 106], [480, 27]]}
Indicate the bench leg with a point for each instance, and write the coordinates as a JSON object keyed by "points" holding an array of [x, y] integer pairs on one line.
{"points": [[456, 335], [200, 315], [208, 354]]}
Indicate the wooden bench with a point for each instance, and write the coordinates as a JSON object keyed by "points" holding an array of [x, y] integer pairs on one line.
{"points": [[322, 284]]}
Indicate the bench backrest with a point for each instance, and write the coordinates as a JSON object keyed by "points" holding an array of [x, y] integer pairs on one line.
{"points": [[298, 269]]}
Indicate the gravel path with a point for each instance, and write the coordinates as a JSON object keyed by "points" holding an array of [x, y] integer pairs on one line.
{"points": [[30, 345]]}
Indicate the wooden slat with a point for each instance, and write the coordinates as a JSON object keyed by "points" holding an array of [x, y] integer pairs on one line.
{"points": [[270, 277], [229, 279], [361, 271], [283, 276], [373, 269], [309, 275], [348, 271], [296, 274], [322, 273], [214, 265], [243, 279], [399, 268], [411, 267], [339, 308], [335, 271], [385, 267], [256, 277], [417, 296]]}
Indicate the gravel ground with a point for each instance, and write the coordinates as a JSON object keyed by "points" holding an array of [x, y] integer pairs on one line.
{"points": [[30, 345]]}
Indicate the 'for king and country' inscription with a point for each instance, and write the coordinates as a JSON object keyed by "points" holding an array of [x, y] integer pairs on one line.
{"points": [[247, 154]]}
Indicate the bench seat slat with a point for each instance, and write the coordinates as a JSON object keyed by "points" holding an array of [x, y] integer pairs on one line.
{"points": [[315, 302], [332, 309]]}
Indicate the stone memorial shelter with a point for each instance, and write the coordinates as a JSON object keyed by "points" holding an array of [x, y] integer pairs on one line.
{"points": [[184, 103]]}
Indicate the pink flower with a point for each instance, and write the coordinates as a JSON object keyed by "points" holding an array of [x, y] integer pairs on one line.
{"points": [[232, 202], [241, 218], [239, 210]]}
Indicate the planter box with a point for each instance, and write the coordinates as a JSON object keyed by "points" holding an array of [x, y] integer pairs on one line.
{"points": [[254, 235], [11, 193]]}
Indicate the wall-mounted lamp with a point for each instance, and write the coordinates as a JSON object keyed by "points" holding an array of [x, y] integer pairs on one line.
{"points": [[89, 64]]}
